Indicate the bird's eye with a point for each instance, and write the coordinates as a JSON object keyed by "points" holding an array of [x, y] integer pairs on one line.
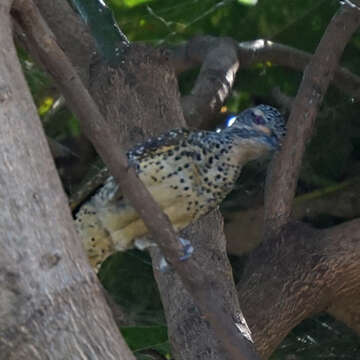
{"points": [[259, 120]]}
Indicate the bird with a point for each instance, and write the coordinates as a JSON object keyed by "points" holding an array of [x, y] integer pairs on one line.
{"points": [[188, 172]]}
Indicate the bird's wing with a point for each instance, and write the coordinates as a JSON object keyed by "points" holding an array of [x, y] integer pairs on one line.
{"points": [[142, 156], [156, 145], [88, 188], [152, 147]]}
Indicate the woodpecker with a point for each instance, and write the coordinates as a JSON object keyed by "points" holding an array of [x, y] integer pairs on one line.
{"points": [[187, 172]]}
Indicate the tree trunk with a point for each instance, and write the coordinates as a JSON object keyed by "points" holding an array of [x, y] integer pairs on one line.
{"points": [[51, 304]]}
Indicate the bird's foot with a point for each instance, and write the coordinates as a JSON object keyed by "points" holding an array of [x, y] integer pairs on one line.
{"points": [[187, 247], [188, 250], [143, 243]]}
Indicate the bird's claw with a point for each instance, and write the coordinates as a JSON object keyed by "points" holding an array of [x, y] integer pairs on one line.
{"points": [[187, 247], [188, 250]]}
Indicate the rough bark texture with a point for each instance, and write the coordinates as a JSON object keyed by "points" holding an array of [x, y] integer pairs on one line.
{"points": [[347, 311], [188, 329], [141, 97], [51, 304], [163, 104], [283, 274], [76, 40]]}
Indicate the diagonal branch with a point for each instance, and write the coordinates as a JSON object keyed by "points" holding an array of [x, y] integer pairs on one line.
{"points": [[101, 134], [284, 172]]}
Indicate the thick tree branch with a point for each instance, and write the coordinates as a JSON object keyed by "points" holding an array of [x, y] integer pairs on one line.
{"points": [[74, 38], [93, 123], [347, 310], [214, 82], [322, 263], [284, 172], [301, 272], [101, 134]]}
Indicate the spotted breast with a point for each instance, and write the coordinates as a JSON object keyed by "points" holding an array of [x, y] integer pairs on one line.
{"points": [[187, 172]]}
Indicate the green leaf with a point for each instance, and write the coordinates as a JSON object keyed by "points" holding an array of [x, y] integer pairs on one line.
{"points": [[129, 279], [128, 3], [248, 2], [145, 337]]}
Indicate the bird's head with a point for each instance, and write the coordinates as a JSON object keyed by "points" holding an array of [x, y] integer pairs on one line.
{"points": [[262, 123]]}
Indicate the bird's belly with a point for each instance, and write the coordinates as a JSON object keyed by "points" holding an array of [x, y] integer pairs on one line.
{"points": [[181, 208], [115, 225]]}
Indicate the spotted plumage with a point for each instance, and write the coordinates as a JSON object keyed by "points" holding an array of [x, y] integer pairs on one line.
{"points": [[188, 173]]}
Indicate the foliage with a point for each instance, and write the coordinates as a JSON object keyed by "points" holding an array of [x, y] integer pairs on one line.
{"points": [[128, 276], [319, 337]]}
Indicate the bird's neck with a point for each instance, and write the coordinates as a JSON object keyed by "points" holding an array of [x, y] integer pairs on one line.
{"points": [[237, 151], [225, 156], [244, 150]]}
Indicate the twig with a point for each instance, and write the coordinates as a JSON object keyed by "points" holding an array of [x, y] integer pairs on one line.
{"points": [[284, 172], [102, 136]]}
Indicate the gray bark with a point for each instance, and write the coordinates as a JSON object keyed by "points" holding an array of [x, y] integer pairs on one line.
{"points": [[51, 304]]}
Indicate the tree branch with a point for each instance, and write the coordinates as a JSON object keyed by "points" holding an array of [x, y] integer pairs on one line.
{"points": [[347, 310], [252, 52], [208, 51], [309, 271], [219, 64], [284, 172], [340, 201], [101, 134]]}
